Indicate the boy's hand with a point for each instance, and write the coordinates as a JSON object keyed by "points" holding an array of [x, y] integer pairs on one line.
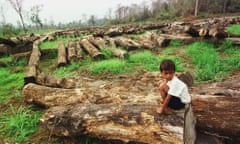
{"points": [[161, 82]]}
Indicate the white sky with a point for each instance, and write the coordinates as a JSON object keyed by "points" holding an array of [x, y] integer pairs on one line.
{"points": [[66, 10]]}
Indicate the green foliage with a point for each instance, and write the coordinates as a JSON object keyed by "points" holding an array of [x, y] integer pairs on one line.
{"points": [[206, 60], [8, 30], [19, 123], [232, 54], [234, 29]]}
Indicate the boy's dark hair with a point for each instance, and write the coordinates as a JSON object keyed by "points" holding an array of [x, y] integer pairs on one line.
{"points": [[167, 65]]}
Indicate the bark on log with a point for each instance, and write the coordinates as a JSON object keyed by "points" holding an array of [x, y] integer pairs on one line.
{"points": [[114, 31], [98, 42], [46, 79], [129, 122], [62, 55], [7, 42], [72, 56], [115, 51], [79, 51], [234, 40], [128, 44], [31, 74], [92, 50], [213, 108], [21, 55], [33, 64], [35, 55]]}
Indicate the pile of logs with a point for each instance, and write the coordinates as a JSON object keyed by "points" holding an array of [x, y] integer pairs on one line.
{"points": [[125, 109]]}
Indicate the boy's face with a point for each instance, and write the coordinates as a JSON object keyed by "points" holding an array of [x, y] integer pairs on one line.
{"points": [[168, 75]]}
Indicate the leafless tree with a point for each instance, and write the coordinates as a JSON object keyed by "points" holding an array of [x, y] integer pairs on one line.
{"points": [[196, 8], [2, 15], [34, 15], [18, 7]]}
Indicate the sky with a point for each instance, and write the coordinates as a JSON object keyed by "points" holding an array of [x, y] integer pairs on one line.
{"points": [[65, 11]]}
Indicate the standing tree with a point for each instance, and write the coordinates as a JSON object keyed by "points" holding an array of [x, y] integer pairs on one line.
{"points": [[34, 15], [196, 8], [18, 7], [2, 15]]}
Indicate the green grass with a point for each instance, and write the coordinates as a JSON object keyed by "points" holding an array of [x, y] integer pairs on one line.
{"points": [[207, 61], [114, 66], [136, 62], [54, 44], [19, 123], [10, 84], [234, 29]]}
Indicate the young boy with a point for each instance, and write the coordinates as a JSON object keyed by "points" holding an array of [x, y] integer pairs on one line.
{"points": [[173, 91]]}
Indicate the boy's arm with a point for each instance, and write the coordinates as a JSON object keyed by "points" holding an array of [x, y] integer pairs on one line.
{"points": [[165, 103]]}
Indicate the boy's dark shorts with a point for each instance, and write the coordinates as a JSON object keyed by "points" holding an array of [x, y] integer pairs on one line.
{"points": [[175, 103]]}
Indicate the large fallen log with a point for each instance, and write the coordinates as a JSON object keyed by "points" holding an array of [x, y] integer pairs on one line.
{"points": [[128, 122], [217, 110]]}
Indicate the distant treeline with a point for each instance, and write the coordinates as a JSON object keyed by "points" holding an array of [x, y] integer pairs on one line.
{"points": [[145, 11]]}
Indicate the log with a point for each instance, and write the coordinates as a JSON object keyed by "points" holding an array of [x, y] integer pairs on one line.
{"points": [[33, 64], [62, 55], [114, 50], [79, 51], [114, 31], [98, 42], [91, 49], [46, 79], [128, 122], [159, 41], [72, 55], [22, 55], [31, 74], [128, 44], [7, 42], [213, 105], [234, 40], [35, 55]]}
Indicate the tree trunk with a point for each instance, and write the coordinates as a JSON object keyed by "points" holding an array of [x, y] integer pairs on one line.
{"points": [[79, 51], [45, 79], [72, 56], [196, 8], [35, 55], [115, 51], [92, 50], [128, 44], [62, 55], [128, 122]]}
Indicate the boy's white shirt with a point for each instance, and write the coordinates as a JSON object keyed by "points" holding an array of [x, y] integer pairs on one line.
{"points": [[179, 89]]}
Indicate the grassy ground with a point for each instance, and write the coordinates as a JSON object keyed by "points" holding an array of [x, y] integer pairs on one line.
{"points": [[19, 122]]}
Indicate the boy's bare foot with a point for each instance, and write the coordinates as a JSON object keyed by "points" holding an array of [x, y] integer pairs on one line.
{"points": [[159, 110], [167, 110]]}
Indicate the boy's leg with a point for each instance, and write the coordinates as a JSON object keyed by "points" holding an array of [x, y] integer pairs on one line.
{"points": [[163, 91]]}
